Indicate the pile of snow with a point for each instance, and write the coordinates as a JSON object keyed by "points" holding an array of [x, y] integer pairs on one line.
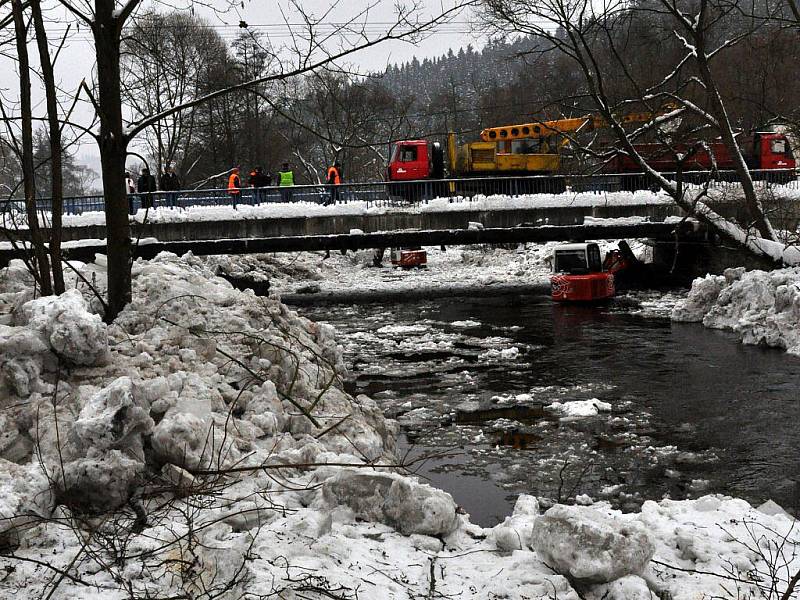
{"points": [[193, 374], [388, 498], [761, 307]]}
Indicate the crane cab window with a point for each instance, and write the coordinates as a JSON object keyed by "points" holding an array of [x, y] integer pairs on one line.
{"points": [[407, 154], [593, 256], [779, 146], [525, 147], [570, 261], [577, 258]]}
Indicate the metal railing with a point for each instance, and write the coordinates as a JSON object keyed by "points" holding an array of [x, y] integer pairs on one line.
{"points": [[404, 193]]}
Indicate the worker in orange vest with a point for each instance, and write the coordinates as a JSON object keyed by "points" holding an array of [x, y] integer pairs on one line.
{"points": [[234, 186], [334, 180]]}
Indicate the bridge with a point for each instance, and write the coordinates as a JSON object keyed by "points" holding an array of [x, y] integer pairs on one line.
{"points": [[206, 224], [357, 240]]}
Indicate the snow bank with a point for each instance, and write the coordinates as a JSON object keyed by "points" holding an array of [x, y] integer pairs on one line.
{"points": [[211, 449], [289, 210], [761, 307], [193, 374]]}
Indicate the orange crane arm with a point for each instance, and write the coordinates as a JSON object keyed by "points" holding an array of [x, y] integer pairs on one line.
{"points": [[543, 129], [538, 129]]}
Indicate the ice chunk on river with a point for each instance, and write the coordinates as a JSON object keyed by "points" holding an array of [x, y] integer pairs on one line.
{"points": [[580, 408]]}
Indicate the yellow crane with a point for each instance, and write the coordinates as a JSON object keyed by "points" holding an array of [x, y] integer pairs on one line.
{"points": [[528, 148], [544, 129]]}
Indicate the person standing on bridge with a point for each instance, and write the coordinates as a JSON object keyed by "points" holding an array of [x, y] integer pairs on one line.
{"points": [[285, 182], [170, 183], [234, 186], [145, 187], [130, 190], [259, 180], [334, 180]]}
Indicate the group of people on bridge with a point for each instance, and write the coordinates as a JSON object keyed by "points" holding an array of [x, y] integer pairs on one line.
{"points": [[169, 183], [284, 179]]}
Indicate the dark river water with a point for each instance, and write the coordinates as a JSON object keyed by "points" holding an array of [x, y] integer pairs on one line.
{"points": [[692, 411]]}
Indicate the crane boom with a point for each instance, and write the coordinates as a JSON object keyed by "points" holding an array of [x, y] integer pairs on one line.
{"points": [[543, 129]]}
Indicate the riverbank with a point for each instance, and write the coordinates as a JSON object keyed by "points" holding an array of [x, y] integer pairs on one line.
{"points": [[202, 446]]}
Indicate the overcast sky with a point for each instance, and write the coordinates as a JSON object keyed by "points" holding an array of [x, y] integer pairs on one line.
{"points": [[266, 16]]}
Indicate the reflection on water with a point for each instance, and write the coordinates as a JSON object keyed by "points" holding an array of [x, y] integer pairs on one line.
{"points": [[693, 411]]}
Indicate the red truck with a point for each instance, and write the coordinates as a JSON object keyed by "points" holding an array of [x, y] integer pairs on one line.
{"points": [[767, 153], [518, 151]]}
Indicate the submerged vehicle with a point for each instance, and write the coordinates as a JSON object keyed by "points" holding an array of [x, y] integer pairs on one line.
{"points": [[579, 274]]}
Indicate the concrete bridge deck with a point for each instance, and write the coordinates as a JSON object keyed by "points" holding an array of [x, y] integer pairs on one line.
{"points": [[391, 220], [357, 241]]}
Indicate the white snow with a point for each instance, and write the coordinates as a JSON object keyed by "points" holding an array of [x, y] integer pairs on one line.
{"points": [[579, 408], [195, 376], [590, 546], [286, 210], [760, 307], [467, 324]]}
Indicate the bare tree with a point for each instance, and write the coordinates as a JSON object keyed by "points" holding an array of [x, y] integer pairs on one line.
{"points": [[25, 152], [167, 59], [54, 130], [309, 49]]}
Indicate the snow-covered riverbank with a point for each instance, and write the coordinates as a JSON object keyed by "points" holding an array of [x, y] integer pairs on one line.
{"points": [[202, 447], [760, 307]]}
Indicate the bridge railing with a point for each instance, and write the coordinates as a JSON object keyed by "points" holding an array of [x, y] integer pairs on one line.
{"points": [[402, 193]]}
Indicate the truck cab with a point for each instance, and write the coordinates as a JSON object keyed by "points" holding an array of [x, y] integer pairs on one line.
{"points": [[412, 160], [773, 151]]}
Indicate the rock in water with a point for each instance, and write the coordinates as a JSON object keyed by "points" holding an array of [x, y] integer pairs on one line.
{"points": [[590, 547]]}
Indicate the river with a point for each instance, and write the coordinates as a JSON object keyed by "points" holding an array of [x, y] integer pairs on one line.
{"points": [[684, 411]]}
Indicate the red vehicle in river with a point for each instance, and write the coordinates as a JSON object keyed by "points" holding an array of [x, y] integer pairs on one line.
{"points": [[579, 275]]}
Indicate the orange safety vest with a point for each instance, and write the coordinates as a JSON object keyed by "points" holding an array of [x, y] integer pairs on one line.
{"points": [[234, 184], [336, 179]]}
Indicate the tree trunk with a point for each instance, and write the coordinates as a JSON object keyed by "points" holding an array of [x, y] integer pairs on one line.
{"points": [[42, 263], [754, 206], [57, 179], [113, 151]]}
